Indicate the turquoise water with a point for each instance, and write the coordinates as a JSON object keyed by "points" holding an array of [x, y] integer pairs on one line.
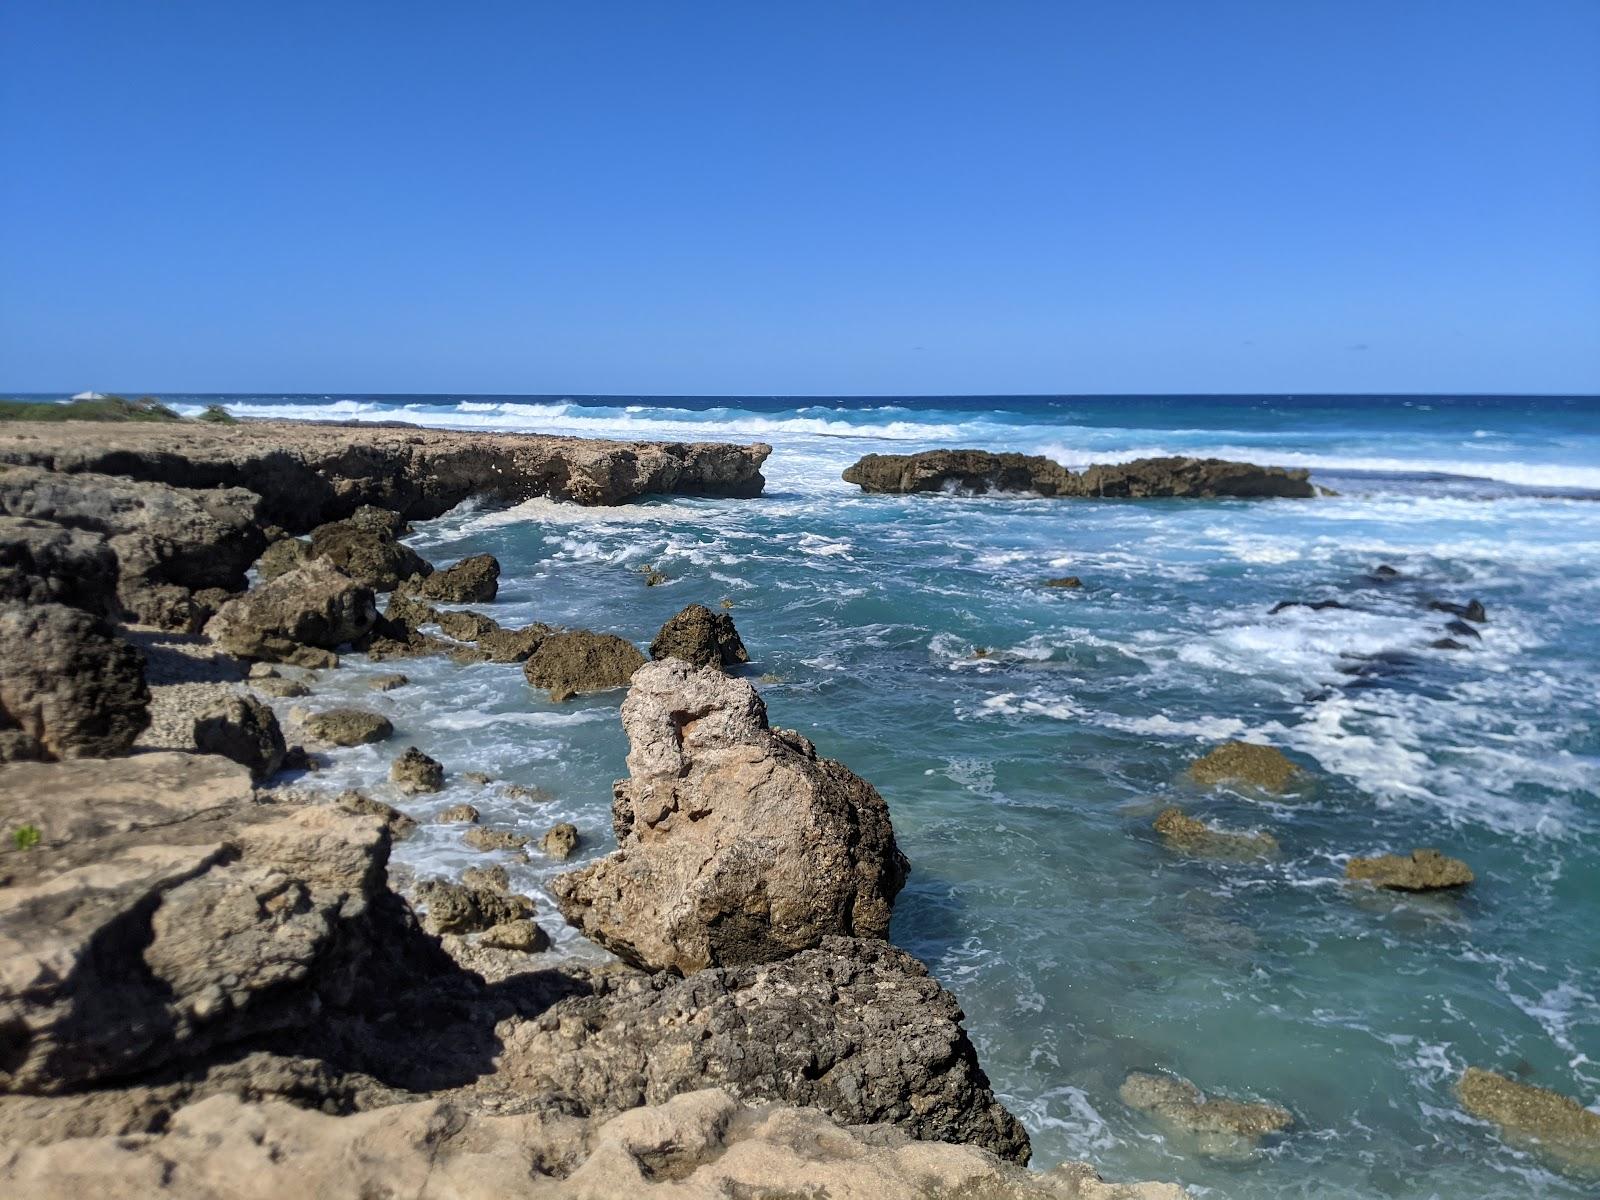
{"points": [[1023, 783]]}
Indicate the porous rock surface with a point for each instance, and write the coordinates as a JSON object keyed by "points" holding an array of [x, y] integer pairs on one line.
{"points": [[69, 688], [1190, 835], [737, 843], [701, 638], [1557, 1126], [1222, 1126], [315, 607], [169, 542], [982, 471], [308, 474], [1420, 871], [45, 563], [245, 730], [576, 660], [474, 580], [701, 1145], [1249, 764], [369, 553]]}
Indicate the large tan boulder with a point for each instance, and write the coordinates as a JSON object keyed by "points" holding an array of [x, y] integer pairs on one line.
{"points": [[738, 844], [315, 607]]}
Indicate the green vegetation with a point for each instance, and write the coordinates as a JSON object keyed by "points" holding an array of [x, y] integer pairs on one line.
{"points": [[107, 408], [26, 837], [215, 414]]}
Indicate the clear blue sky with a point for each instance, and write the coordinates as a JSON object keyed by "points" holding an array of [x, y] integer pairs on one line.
{"points": [[817, 197]]}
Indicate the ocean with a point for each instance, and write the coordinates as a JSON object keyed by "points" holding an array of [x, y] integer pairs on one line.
{"points": [[1026, 737]]}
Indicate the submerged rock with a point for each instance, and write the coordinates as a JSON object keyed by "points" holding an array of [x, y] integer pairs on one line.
{"points": [[314, 607], [414, 773], [347, 726], [700, 638], [1064, 581], [69, 688], [242, 729], [1222, 1126], [1192, 836], [1246, 763], [737, 844], [1473, 610], [459, 814], [579, 661], [1550, 1122], [1422, 871], [982, 471]]}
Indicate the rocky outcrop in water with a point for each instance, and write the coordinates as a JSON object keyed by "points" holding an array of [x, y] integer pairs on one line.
{"points": [[170, 542], [474, 580], [1189, 835], [346, 726], [367, 552], [415, 774], [981, 471], [1221, 1126], [300, 617], [309, 474], [737, 843], [576, 660], [701, 638], [1553, 1125], [1420, 871], [69, 688], [1248, 764]]}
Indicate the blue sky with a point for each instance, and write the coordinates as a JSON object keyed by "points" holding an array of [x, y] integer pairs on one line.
{"points": [[801, 198]]}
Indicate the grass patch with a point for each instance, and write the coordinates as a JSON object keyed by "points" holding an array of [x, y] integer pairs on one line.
{"points": [[107, 408]]}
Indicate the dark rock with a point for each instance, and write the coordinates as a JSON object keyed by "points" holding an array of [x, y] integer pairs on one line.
{"points": [[168, 541], [1313, 605], [1473, 610], [369, 555], [465, 626], [1461, 629], [1064, 581], [69, 688], [700, 638], [513, 645], [1447, 644], [736, 842], [981, 471], [308, 474], [45, 563], [245, 730], [474, 580], [1385, 571], [577, 660], [414, 773], [315, 606]]}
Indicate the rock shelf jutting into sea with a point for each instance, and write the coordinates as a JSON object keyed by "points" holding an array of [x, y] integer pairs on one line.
{"points": [[1090, 794]]}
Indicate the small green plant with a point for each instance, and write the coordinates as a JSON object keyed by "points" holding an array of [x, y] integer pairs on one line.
{"points": [[215, 414], [26, 837]]}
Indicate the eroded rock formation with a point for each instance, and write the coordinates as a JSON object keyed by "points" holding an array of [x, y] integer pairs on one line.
{"points": [[737, 843]]}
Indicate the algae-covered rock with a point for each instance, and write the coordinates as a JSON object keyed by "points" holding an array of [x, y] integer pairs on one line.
{"points": [[474, 580], [1249, 764], [580, 661], [1550, 1122], [1222, 1127], [1192, 836], [1420, 871]]}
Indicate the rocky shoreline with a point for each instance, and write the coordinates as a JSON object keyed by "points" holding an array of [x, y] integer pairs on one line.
{"points": [[210, 986]]}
